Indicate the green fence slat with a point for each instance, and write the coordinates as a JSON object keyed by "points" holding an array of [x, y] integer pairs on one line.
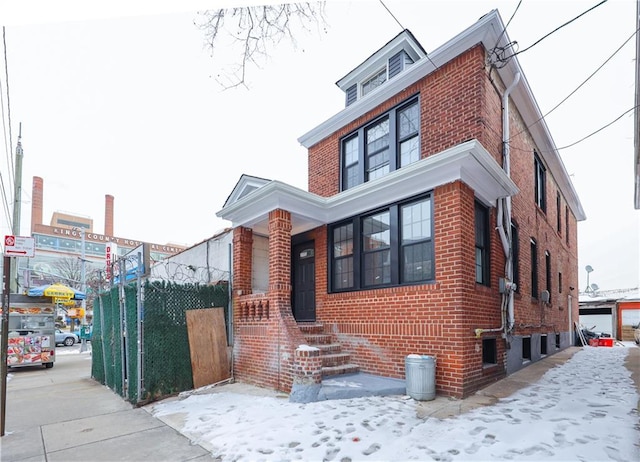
{"points": [[166, 361]]}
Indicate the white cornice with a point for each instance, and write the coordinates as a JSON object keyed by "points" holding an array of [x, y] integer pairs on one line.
{"points": [[469, 162]]}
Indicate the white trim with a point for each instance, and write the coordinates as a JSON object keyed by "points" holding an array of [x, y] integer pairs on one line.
{"points": [[488, 31], [469, 162]]}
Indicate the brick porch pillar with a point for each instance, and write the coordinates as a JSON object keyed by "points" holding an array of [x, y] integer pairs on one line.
{"points": [[242, 260], [289, 336]]}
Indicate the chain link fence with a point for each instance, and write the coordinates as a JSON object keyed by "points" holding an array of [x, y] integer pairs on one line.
{"points": [[140, 343]]}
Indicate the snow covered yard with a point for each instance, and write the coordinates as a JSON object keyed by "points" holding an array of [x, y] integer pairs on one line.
{"points": [[585, 409]]}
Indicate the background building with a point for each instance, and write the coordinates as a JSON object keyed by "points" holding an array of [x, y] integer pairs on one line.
{"points": [[59, 247]]}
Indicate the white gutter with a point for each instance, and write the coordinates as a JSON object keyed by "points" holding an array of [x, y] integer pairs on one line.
{"points": [[504, 223]]}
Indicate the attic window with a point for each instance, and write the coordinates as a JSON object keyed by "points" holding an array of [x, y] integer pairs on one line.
{"points": [[375, 81]]}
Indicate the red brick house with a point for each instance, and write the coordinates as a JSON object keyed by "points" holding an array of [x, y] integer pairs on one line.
{"points": [[439, 220]]}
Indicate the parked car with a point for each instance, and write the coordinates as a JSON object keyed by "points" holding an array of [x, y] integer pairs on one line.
{"points": [[66, 338]]}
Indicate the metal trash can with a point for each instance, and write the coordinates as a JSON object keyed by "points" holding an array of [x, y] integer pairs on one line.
{"points": [[420, 372]]}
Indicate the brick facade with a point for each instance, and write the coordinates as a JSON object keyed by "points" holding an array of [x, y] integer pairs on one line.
{"points": [[459, 101]]}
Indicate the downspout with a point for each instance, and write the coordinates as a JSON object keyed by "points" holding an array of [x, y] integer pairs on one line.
{"points": [[504, 227], [504, 224]]}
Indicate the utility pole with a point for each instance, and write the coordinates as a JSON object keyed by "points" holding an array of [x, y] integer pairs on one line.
{"points": [[17, 198], [636, 137], [83, 277]]}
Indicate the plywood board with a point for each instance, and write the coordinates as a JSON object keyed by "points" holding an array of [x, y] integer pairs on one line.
{"points": [[208, 345]]}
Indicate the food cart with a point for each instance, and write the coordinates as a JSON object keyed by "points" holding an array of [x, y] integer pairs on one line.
{"points": [[31, 335]]}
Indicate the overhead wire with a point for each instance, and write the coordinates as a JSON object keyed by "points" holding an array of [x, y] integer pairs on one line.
{"points": [[6, 75], [555, 30], [598, 130], [504, 30], [403, 28], [7, 139], [579, 86], [584, 138], [504, 59]]}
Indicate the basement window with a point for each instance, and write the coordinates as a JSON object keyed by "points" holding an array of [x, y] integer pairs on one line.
{"points": [[489, 352], [526, 349], [543, 345], [557, 341]]}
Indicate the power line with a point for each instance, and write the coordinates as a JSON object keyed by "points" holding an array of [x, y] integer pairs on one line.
{"points": [[515, 148], [389, 11], [579, 86], [403, 28], [556, 30], [6, 73], [7, 147], [598, 130], [508, 22]]}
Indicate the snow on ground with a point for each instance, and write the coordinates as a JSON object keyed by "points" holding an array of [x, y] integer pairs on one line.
{"points": [[583, 410]]}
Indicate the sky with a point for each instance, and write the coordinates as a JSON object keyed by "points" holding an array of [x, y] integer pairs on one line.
{"points": [[582, 410], [124, 99]]}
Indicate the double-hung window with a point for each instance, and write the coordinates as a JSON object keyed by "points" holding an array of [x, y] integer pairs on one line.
{"points": [[378, 151], [416, 243], [343, 256], [482, 244], [391, 246], [382, 146], [376, 249]]}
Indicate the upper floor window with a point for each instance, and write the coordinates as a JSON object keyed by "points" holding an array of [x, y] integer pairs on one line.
{"points": [[389, 247], [566, 224], [540, 174], [375, 81], [558, 213], [384, 145]]}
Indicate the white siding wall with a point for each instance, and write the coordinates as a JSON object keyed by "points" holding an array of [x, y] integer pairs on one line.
{"points": [[206, 262], [260, 268]]}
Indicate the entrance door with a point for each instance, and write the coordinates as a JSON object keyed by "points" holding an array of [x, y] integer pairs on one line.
{"points": [[304, 282]]}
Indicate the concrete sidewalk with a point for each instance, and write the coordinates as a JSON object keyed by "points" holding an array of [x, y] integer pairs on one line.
{"points": [[61, 414], [443, 407]]}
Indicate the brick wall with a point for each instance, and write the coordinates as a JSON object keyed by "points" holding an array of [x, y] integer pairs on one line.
{"points": [[265, 332], [460, 101]]}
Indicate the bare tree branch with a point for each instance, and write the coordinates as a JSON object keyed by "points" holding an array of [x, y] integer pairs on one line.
{"points": [[70, 271], [254, 31]]}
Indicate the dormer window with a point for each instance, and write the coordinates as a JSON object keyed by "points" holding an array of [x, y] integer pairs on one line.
{"points": [[374, 82], [381, 67]]}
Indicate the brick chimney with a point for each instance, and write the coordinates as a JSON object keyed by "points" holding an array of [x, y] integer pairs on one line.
{"points": [[108, 215], [37, 201]]}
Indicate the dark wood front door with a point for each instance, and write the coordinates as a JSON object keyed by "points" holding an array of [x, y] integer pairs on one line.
{"points": [[304, 282]]}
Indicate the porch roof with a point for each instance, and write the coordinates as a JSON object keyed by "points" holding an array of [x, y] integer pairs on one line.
{"points": [[469, 162]]}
